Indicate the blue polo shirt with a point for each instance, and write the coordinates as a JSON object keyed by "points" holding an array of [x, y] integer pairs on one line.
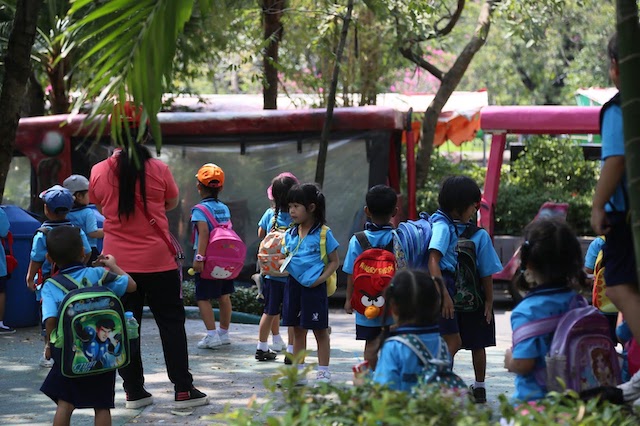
{"points": [[379, 238], [613, 145], [266, 223], [85, 219], [218, 209], [541, 302], [398, 367], [444, 240], [39, 244], [592, 253], [487, 260], [306, 265], [52, 295]]}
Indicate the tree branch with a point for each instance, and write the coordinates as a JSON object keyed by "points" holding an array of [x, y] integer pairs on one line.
{"points": [[453, 20], [410, 55]]}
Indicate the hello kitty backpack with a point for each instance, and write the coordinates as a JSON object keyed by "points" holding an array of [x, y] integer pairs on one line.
{"points": [[225, 254]]}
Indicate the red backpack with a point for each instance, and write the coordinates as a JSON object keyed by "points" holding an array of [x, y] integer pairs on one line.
{"points": [[372, 273]]}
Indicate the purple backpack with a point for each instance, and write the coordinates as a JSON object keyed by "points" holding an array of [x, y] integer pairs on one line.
{"points": [[581, 356], [224, 257]]}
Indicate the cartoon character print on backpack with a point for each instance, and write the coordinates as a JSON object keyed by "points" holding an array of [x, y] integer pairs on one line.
{"points": [[270, 256], [467, 297], [373, 270], [599, 297]]}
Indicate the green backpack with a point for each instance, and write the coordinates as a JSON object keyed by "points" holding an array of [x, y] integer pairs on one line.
{"points": [[468, 297], [91, 330]]}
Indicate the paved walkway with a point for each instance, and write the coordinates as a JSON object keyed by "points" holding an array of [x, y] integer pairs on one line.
{"points": [[229, 375]]}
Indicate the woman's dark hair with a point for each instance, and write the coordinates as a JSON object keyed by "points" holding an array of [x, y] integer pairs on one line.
{"points": [[457, 193], [612, 48], [551, 249], [307, 194], [130, 166], [280, 186]]}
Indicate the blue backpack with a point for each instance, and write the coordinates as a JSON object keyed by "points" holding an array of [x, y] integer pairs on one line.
{"points": [[411, 243]]}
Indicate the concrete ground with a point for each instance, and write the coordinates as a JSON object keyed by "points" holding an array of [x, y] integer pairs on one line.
{"points": [[229, 375]]}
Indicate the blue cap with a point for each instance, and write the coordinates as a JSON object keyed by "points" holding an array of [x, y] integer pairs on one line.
{"points": [[58, 199]]}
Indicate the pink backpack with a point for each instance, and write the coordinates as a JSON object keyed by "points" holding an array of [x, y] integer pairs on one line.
{"points": [[225, 254], [581, 354]]}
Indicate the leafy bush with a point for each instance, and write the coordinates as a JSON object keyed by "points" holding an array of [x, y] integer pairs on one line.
{"points": [[244, 299]]}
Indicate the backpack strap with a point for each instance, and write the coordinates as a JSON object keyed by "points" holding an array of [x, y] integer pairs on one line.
{"points": [[469, 231], [211, 218], [323, 244], [363, 240], [421, 350], [66, 283]]}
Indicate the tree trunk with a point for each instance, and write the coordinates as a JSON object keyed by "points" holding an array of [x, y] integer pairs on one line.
{"points": [[57, 73], [272, 11], [331, 102], [449, 82], [33, 103], [17, 69], [629, 63]]}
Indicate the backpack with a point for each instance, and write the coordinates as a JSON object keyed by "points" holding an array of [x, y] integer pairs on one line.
{"points": [[225, 254], [12, 262], [373, 270], [581, 356], [436, 370], [270, 254], [467, 297], [411, 243], [332, 281], [599, 297], [84, 311]]}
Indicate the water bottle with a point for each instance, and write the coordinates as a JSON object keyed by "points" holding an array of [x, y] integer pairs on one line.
{"points": [[132, 325]]}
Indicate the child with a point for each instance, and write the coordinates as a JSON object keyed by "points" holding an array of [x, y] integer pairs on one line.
{"points": [[551, 263], [306, 305], [4, 230], [81, 215], [595, 247], [631, 349], [415, 301], [57, 204], [210, 183], [478, 329], [381, 207], [64, 247], [458, 200], [273, 287]]}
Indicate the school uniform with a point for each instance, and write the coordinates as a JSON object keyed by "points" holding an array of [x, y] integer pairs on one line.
{"points": [[398, 367], [39, 244], [210, 289], [304, 306], [444, 239], [378, 236], [541, 302], [273, 287], [96, 391], [474, 330], [84, 218]]}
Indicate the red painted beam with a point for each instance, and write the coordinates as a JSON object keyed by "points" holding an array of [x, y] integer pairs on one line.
{"points": [[540, 119]]}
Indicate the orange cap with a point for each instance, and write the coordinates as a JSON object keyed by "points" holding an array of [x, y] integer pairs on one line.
{"points": [[211, 175]]}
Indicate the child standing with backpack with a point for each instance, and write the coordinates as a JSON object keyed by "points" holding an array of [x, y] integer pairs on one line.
{"points": [[458, 200], [551, 264], [81, 215], [414, 351], [210, 183], [274, 222], [65, 248], [381, 206], [306, 304]]}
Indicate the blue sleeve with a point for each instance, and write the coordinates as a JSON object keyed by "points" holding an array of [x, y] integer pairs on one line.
{"points": [[85, 242], [440, 237], [388, 368], [332, 243], [265, 220], [623, 332], [198, 216], [612, 133], [49, 305], [39, 247], [487, 260], [529, 348], [592, 253], [90, 222], [119, 286], [4, 223], [353, 251]]}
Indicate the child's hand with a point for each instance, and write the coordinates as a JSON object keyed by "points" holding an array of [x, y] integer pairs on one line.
{"points": [[47, 351], [508, 359], [447, 306], [488, 311], [105, 260], [599, 221], [31, 284], [197, 266], [347, 306]]}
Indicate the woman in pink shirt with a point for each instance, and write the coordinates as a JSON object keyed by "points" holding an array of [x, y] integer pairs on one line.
{"points": [[122, 192]]}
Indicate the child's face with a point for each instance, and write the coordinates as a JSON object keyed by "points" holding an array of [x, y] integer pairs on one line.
{"points": [[299, 213], [81, 197], [469, 212]]}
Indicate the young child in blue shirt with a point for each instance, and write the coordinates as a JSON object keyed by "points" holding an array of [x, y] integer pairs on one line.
{"points": [[478, 328], [306, 304], [414, 300], [273, 287], [458, 200], [210, 183], [590, 258], [81, 215], [65, 248], [381, 206], [4, 230], [551, 263]]}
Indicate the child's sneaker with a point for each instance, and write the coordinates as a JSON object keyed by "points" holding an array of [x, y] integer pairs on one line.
{"points": [[192, 398], [209, 342], [267, 355], [277, 346], [288, 358], [224, 339], [46, 363], [323, 376], [138, 399], [479, 394], [5, 329]]}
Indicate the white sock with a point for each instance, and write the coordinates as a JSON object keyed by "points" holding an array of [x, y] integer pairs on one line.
{"points": [[263, 346], [222, 331], [478, 385], [290, 349], [212, 332], [3, 326], [277, 339], [323, 368]]}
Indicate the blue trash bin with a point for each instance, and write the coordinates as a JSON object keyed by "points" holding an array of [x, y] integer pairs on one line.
{"points": [[100, 220], [21, 308]]}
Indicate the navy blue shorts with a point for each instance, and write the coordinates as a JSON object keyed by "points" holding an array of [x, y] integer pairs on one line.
{"points": [[474, 330], [449, 326], [3, 284], [367, 333], [212, 289], [305, 307], [273, 292], [618, 254]]}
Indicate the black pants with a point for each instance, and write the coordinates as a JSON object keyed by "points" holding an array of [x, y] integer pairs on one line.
{"points": [[162, 292]]}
